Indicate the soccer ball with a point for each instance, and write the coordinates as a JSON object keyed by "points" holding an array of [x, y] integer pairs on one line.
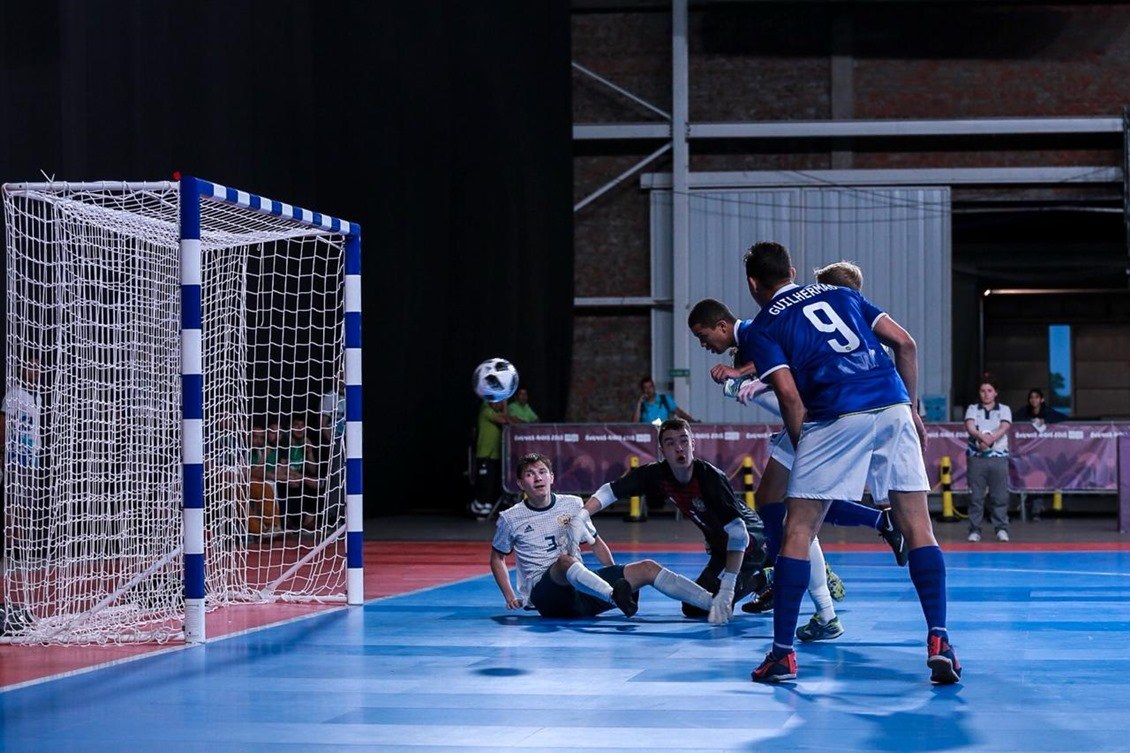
{"points": [[495, 379]]}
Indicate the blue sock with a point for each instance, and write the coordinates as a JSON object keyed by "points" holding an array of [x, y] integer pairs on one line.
{"points": [[790, 582], [773, 516], [843, 513], [928, 573]]}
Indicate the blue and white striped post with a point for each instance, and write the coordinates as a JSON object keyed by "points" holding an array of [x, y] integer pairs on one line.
{"points": [[192, 411], [192, 189], [354, 507]]}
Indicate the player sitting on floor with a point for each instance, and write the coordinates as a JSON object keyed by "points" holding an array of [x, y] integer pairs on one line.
{"points": [[544, 531]]}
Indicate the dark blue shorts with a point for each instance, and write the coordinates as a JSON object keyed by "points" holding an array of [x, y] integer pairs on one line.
{"points": [[553, 600]]}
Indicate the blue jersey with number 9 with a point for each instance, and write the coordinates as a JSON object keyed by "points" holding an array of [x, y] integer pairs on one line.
{"points": [[823, 333]]}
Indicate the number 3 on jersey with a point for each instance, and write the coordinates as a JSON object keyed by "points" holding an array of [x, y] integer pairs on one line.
{"points": [[825, 319]]}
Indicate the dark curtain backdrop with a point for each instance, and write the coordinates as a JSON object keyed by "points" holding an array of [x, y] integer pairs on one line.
{"points": [[443, 128]]}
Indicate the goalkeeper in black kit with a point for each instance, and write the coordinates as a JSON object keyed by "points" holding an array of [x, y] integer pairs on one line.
{"points": [[735, 536]]}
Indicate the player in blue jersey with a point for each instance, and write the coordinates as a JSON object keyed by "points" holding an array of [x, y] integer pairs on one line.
{"points": [[847, 408], [716, 329]]}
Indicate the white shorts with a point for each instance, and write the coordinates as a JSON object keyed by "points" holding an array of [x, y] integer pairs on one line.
{"points": [[841, 458], [781, 449]]}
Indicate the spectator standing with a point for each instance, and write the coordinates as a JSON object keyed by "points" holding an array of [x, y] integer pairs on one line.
{"points": [[987, 424], [488, 457]]}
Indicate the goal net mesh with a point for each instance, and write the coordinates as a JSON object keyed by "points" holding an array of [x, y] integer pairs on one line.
{"points": [[93, 543]]}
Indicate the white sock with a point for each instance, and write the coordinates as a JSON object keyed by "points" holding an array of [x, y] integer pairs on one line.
{"points": [[818, 583], [682, 589], [586, 581]]}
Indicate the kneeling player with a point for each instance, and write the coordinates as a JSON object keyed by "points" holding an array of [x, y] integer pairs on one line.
{"points": [[735, 537]]}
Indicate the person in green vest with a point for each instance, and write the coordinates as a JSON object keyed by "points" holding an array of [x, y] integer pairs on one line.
{"points": [[521, 410], [488, 457]]}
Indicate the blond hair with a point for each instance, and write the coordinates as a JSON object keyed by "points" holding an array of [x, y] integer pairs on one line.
{"points": [[845, 274]]}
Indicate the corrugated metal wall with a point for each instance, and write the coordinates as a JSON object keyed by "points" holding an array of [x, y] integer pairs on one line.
{"points": [[900, 237]]}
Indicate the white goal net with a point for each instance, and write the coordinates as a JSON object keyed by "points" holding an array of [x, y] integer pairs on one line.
{"points": [[94, 533]]}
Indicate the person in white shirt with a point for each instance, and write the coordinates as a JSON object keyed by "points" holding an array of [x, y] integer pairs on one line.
{"points": [[986, 454], [544, 531]]}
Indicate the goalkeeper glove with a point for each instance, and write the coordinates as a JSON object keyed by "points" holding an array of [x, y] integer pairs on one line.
{"points": [[722, 607], [581, 529]]}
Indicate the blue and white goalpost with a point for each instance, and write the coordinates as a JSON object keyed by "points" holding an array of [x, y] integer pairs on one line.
{"points": [[193, 192], [185, 332]]}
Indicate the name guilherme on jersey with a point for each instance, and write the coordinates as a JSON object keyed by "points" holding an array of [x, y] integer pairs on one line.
{"points": [[797, 296]]}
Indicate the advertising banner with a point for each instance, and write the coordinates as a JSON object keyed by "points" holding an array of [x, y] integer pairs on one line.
{"points": [[1067, 457]]}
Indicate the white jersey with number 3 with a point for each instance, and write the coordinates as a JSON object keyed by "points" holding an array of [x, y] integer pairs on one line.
{"points": [[537, 536]]}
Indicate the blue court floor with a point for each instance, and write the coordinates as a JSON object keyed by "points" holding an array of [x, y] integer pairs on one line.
{"points": [[1042, 637]]}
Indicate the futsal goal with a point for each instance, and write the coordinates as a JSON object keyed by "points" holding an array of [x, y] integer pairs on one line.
{"points": [[182, 408]]}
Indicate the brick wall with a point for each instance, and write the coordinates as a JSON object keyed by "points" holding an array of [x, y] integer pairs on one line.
{"points": [[772, 61]]}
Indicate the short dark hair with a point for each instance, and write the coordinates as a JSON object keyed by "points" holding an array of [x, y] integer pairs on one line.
{"points": [[1038, 391], [530, 458], [768, 262], [645, 380], [674, 424], [708, 312]]}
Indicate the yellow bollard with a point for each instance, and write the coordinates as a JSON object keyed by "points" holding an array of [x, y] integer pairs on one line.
{"points": [[948, 515], [636, 511], [1057, 501], [747, 482]]}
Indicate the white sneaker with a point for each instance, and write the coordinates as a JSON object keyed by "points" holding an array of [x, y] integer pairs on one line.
{"points": [[974, 536], [1002, 535]]}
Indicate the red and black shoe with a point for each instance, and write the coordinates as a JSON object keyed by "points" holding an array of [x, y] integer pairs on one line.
{"points": [[776, 668], [942, 661]]}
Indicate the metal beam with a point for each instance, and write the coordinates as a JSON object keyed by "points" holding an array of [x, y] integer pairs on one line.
{"points": [[621, 177], [680, 197], [622, 91], [621, 131], [621, 302], [801, 129], [1126, 183], [922, 177], [882, 128]]}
